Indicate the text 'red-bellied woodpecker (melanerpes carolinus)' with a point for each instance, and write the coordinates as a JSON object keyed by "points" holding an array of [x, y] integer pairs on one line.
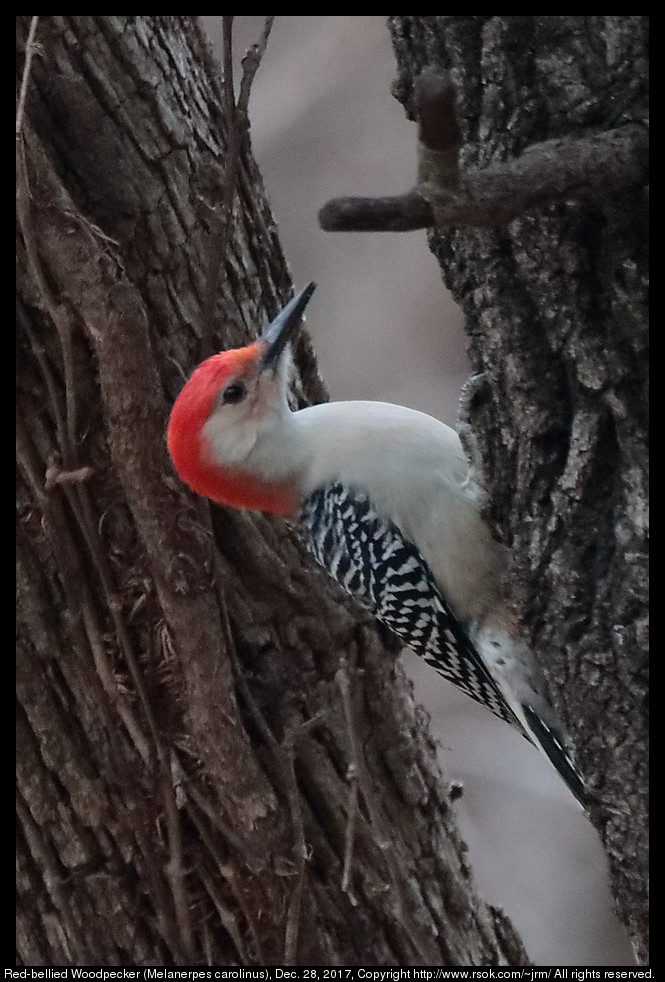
{"points": [[386, 503]]}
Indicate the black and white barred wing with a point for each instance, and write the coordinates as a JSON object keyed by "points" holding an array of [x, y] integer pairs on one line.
{"points": [[370, 558]]}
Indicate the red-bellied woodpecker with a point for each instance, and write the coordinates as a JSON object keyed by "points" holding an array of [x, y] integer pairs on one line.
{"points": [[386, 503]]}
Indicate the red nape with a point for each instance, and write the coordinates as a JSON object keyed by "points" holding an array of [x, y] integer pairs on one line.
{"points": [[227, 486], [238, 490]]}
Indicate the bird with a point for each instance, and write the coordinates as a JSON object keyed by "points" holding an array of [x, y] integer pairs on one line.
{"points": [[387, 501]]}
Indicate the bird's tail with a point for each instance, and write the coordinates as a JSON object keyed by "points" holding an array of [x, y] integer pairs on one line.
{"points": [[553, 747]]}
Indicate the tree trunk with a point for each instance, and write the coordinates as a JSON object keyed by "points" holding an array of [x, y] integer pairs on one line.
{"points": [[218, 760], [556, 311]]}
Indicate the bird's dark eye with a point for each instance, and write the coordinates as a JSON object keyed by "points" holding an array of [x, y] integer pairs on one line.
{"points": [[235, 392]]}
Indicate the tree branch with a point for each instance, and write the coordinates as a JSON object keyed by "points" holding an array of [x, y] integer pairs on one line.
{"points": [[586, 168]]}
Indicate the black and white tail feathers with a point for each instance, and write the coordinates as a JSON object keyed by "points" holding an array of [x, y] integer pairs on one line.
{"points": [[373, 562]]}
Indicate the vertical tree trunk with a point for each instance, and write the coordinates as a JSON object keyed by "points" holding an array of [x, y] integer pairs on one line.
{"points": [[218, 761], [556, 311]]}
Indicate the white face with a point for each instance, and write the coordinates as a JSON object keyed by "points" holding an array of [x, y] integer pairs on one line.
{"points": [[247, 410]]}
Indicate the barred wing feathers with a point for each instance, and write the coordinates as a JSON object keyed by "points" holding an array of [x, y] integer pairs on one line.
{"points": [[373, 562]]}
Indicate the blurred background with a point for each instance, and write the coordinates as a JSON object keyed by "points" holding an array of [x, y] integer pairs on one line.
{"points": [[323, 125]]}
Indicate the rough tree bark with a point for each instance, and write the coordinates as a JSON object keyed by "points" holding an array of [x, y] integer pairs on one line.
{"points": [[196, 783], [556, 312]]}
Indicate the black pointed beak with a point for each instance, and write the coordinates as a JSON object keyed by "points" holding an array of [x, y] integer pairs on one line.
{"points": [[284, 327]]}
